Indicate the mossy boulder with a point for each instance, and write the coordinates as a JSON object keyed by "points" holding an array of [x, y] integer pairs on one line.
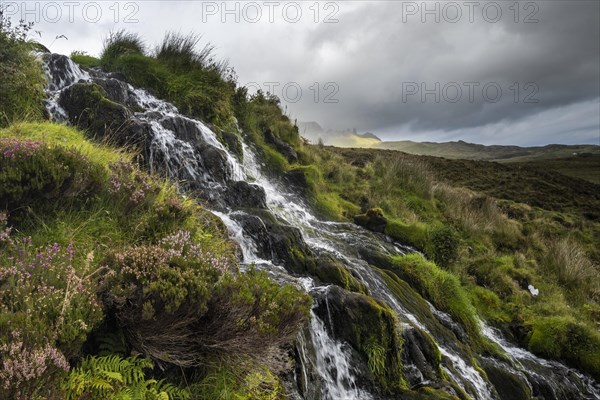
{"points": [[89, 108], [329, 270], [414, 235], [565, 338], [282, 147], [372, 220], [373, 331]]}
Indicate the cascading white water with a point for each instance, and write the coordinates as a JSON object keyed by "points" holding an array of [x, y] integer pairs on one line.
{"points": [[332, 359], [334, 365]]}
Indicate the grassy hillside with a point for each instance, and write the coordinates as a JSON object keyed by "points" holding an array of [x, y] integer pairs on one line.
{"points": [[494, 228], [99, 260]]}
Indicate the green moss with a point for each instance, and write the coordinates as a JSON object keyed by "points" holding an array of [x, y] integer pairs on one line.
{"points": [[334, 207], [414, 235], [331, 271], [567, 339], [442, 288]]}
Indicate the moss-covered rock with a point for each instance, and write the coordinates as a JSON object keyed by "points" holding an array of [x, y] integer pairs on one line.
{"points": [[372, 220], [329, 270], [442, 288], [414, 235], [569, 340], [372, 329], [89, 108]]}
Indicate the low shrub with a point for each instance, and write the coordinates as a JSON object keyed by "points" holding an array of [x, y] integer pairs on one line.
{"points": [[34, 175], [442, 245]]}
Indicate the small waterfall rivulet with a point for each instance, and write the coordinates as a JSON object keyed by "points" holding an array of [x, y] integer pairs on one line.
{"points": [[188, 150]]}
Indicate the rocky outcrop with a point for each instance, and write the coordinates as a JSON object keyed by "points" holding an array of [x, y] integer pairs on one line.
{"points": [[91, 110], [242, 194], [288, 152]]}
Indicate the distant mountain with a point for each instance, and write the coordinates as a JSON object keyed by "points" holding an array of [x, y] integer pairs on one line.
{"points": [[472, 151], [369, 135]]}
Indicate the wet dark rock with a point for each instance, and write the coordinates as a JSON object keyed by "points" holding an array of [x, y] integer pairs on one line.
{"points": [[184, 128], [89, 108], [329, 270], [232, 142], [242, 194], [508, 384], [288, 247], [366, 325], [117, 91], [288, 152], [61, 73], [421, 352], [214, 162], [372, 220], [254, 227], [296, 179]]}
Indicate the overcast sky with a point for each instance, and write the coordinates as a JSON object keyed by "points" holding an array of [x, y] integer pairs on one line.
{"points": [[484, 72]]}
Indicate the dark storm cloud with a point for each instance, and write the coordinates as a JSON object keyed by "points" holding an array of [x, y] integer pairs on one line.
{"points": [[558, 55], [366, 60]]}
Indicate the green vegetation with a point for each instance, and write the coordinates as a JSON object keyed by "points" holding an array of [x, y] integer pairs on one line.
{"points": [[21, 78], [91, 246], [194, 82], [491, 229], [112, 377], [118, 263]]}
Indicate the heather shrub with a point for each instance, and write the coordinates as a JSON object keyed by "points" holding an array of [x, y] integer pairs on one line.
{"points": [[27, 370], [32, 174], [48, 306], [181, 304], [250, 311]]}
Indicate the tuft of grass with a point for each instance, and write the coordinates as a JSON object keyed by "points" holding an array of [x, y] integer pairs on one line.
{"points": [[119, 43], [85, 60], [571, 266]]}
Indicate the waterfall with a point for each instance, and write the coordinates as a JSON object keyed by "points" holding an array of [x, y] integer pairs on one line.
{"points": [[180, 146]]}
